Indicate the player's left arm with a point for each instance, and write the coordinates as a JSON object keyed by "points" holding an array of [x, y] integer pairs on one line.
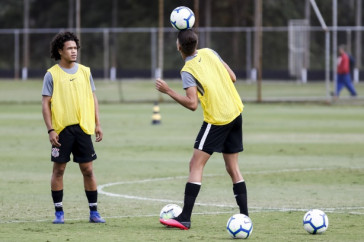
{"points": [[98, 130], [231, 73], [227, 67]]}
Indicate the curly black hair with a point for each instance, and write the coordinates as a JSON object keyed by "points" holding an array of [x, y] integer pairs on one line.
{"points": [[58, 43]]}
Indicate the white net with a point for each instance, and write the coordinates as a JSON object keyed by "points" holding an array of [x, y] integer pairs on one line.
{"points": [[298, 48]]}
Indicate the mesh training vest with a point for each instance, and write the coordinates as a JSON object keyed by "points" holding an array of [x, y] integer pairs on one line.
{"points": [[72, 101], [219, 99]]}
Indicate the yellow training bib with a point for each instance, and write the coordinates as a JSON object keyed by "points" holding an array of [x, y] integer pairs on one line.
{"points": [[72, 100], [220, 101]]}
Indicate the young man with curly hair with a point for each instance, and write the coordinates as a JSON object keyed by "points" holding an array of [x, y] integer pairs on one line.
{"points": [[71, 115]]}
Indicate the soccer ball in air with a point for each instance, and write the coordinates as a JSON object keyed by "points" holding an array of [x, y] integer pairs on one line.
{"points": [[170, 211], [315, 221], [182, 18], [239, 226]]}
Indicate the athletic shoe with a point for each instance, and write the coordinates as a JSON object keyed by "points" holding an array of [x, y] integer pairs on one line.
{"points": [[176, 224], [95, 217], [59, 217]]}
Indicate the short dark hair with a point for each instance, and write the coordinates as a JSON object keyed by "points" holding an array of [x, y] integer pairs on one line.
{"points": [[58, 43], [188, 40]]}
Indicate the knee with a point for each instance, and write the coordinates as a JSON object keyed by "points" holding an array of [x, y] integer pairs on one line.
{"points": [[230, 166], [87, 172], [58, 172]]}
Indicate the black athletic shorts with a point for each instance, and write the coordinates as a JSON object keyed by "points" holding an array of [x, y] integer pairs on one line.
{"points": [[74, 140], [221, 138]]}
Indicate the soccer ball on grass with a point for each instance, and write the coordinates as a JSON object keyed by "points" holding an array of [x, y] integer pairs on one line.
{"points": [[170, 211], [315, 221], [182, 18], [239, 226]]}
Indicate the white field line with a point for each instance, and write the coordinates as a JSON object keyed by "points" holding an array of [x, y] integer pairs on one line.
{"points": [[100, 188], [347, 210]]}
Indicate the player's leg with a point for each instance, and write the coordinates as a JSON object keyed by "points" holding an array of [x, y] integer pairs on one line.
{"points": [[349, 85], [232, 167], [60, 156], [57, 176], [84, 154], [90, 185], [89, 179], [197, 164], [239, 186], [203, 148], [208, 140], [192, 188], [57, 191], [232, 146], [339, 84]]}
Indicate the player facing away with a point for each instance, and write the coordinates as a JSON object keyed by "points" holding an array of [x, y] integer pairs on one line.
{"points": [[206, 77], [71, 115]]}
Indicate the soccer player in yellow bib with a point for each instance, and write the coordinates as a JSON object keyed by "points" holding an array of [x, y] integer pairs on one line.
{"points": [[206, 77], [71, 114]]}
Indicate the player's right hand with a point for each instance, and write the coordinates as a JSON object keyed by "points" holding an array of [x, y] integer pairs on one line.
{"points": [[53, 138], [161, 86]]}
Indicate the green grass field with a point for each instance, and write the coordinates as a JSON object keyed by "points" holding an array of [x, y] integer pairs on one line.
{"points": [[138, 91], [297, 157]]}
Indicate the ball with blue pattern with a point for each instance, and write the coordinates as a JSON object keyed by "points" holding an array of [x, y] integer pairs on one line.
{"points": [[239, 226], [182, 18], [315, 221]]}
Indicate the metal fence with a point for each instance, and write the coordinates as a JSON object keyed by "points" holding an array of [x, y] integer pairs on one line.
{"points": [[115, 53]]}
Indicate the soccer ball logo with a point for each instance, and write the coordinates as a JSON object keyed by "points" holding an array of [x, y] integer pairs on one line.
{"points": [[239, 226], [170, 211], [182, 18], [315, 221]]}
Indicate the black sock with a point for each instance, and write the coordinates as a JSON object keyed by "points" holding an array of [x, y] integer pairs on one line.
{"points": [[241, 197], [92, 200], [191, 192], [57, 200]]}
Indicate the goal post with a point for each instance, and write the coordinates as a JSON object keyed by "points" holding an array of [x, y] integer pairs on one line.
{"points": [[327, 49], [297, 46]]}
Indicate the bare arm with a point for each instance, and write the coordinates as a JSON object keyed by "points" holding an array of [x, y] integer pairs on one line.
{"points": [[231, 73], [47, 116], [98, 130], [189, 101]]}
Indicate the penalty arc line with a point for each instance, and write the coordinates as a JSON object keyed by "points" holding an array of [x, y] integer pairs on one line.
{"points": [[345, 210], [101, 191]]}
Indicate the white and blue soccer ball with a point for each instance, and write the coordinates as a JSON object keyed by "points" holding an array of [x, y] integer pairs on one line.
{"points": [[315, 221], [182, 18], [239, 226], [170, 211]]}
